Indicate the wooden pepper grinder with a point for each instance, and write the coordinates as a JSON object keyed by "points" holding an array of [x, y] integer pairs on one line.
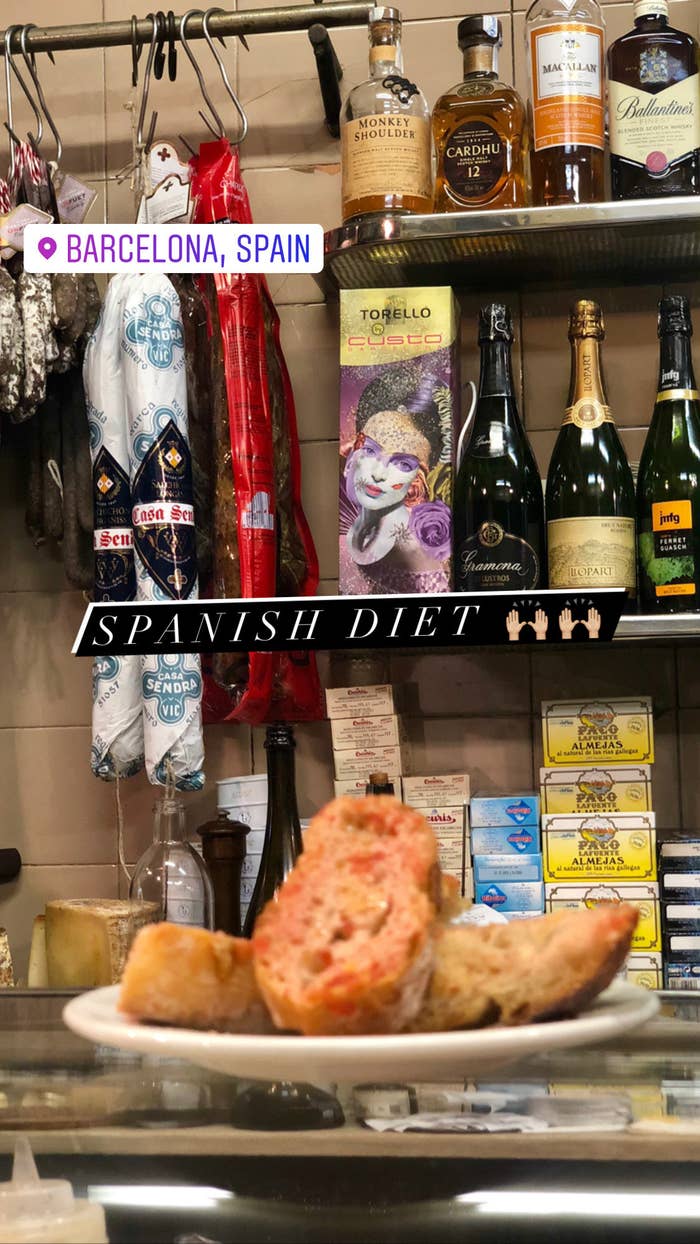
{"points": [[223, 848]]}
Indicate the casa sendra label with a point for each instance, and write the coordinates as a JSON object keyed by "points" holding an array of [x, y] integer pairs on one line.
{"points": [[302, 623]]}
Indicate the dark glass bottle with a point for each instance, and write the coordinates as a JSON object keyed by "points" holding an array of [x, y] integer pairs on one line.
{"points": [[498, 505], [668, 504], [590, 491], [282, 842], [379, 784], [654, 108]]}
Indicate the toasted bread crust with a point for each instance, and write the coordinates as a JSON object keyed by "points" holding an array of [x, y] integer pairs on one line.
{"points": [[191, 978], [526, 971]]}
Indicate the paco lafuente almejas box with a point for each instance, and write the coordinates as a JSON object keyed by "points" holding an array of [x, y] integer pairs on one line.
{"points": [[399, 402]]}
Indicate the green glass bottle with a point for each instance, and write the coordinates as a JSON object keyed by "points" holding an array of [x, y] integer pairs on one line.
{"points": [[590, 501], [668, 504], [282, 842], [498, 505]]}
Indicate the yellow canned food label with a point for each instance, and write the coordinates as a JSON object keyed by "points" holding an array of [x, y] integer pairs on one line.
{"points": [[601, 730], [645, 897], [599, 848], [611, 789]]}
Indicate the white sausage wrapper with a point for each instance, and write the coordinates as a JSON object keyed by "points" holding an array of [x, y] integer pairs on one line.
{"points": [[117, 719], [153, 362]]}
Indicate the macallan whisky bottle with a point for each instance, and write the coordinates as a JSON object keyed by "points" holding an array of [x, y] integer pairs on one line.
{"points": [[479, 129], [668, 485], [566, 63], [590, 502], [385, 132], [654, 108]]}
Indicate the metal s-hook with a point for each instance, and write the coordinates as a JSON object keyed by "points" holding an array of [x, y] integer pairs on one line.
{"points": [[146, 80], [200, 76], [8, 99], [135, 52], [29, 62], [25, 88], [224, 76]]}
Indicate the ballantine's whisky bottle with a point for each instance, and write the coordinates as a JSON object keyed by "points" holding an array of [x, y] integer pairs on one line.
{"points": [[590, 493], [479, 129], [654, 108], [385, 132]]}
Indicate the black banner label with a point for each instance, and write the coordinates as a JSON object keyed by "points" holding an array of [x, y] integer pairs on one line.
{"points": [[288, 624]]}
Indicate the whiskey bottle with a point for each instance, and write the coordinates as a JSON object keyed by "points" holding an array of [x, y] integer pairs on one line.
{"points": [[654, 108], [590, 493], [565, 56], [386, 153], [668, 502], [479, 129], [498, 507]]}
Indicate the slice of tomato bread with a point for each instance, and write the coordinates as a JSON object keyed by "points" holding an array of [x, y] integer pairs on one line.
{"points": [[524, 971], [347, 947], [191, 978]]}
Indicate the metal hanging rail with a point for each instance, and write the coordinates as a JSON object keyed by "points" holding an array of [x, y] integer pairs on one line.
{"points": [[255, 22]]}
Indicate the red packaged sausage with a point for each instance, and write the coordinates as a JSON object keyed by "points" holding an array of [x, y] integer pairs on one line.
{"points": [[263, 546]]}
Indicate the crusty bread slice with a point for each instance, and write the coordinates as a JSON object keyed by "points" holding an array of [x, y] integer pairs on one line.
{"points": [[525, 971], [191, 978], [347, 945]]}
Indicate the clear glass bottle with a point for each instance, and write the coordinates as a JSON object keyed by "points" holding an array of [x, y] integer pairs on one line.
{"points": [[172, 874], [385, 132], [565, 53], [479, 129]]}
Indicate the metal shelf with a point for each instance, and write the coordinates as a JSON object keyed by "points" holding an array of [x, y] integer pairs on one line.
{"points": [[667, 627], [637, 242]]}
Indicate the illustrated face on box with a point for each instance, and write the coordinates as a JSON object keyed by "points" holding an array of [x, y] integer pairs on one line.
{"points": [[393, 474]]}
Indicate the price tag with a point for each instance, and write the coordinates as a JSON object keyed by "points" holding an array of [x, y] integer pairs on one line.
{"points": [[168, 202], [73, 198], [163, 161], [12, 226]]}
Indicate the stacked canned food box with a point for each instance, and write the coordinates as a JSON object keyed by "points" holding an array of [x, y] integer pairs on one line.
{"points": [[679, 876], [598, 823], [507, 860]]}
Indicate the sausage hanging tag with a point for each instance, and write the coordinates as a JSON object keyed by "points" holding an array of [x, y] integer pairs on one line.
{"points": [[117, 720], [153, 358]]}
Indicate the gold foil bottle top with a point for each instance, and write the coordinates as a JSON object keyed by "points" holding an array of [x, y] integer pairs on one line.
{"points": [[586, 320]]}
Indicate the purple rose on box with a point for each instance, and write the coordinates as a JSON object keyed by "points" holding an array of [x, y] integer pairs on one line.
{"points": [[431, 525]]}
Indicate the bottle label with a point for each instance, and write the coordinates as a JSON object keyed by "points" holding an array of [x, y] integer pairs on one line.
{"points": [[382, 52], [492, 560], [494, 442], [587, 413], [650, 8], [591, 552], [567, 85], [678, 395], [667, 552], [474, 161], [386, 155], [655, 130]]}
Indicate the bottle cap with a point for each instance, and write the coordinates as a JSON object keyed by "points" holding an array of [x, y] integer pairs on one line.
{"points": [[30, 1206], [381, 13], [650, 8], [379, 779], [479, 28], [674, 316], [586, 320], [279, 736], [495, 323]]}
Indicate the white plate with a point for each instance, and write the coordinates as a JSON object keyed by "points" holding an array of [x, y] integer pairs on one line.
{"points": [[424, 1056]]}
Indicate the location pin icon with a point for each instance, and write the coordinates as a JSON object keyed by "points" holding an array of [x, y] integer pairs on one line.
{"points": [[47, 247]]}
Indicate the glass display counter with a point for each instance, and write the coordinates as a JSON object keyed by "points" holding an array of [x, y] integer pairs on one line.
{"points": [[597, 1143]]}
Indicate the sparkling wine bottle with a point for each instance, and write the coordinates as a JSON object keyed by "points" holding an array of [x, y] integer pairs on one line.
{"points": [[499, 511], [590, 492], [668, 506]]}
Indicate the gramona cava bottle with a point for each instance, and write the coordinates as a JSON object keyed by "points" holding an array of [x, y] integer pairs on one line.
{"points": [[590, 493], [668, 504], [498, 507]]}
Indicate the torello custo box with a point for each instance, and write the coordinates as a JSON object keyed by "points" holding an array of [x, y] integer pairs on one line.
{"points": [[399, 398]]}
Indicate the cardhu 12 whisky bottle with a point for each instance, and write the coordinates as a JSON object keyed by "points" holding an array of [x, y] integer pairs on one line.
{"points": [[479, 129]]}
